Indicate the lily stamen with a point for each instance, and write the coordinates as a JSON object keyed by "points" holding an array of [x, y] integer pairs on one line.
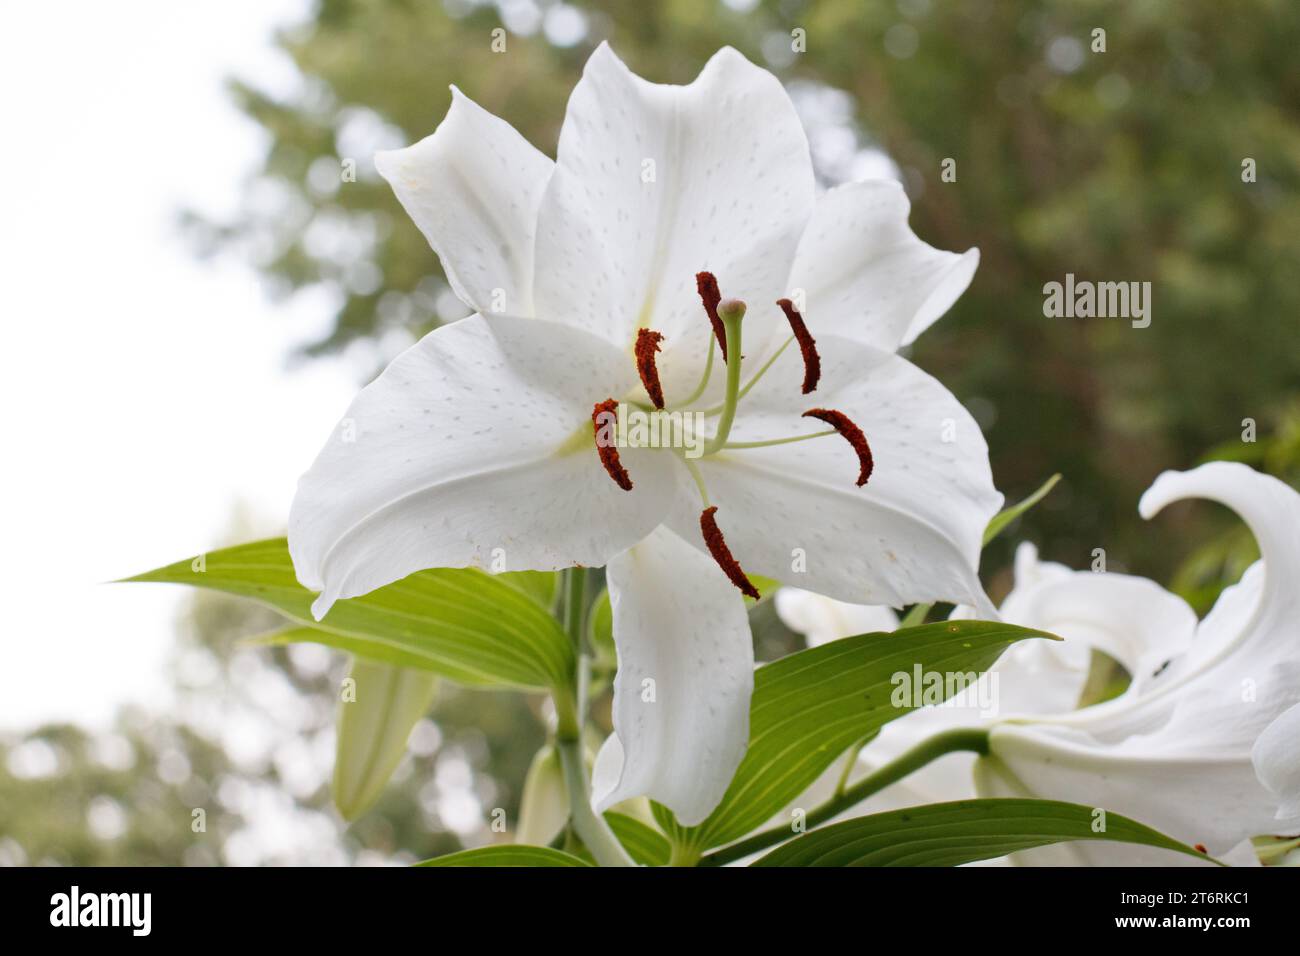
{"points": [[733, 445], [852, 434], [706, 283], [704, 379], [604, 421], [647, 344], [812, 362], [717, 546]]}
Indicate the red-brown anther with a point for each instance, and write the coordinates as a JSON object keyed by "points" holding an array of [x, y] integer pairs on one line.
{"points": [[707, 285], [717, 546], [647, 344], [812, 362], [852, 433], [604, 415]]}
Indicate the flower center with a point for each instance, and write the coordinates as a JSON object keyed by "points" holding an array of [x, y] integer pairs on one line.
{"points": [[725, 316]]}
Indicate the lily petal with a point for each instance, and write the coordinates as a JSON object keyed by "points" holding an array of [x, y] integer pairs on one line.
{"points": [[1132, 619], [1276, 756], [821, 619], [474, 188], [1271, 509], [655, 183], [994, 778], [1203, 798], [864, 273], [913, 533], [477, 438], [685, 675]]}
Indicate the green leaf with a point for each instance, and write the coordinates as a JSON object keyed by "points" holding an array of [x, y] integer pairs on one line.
{"points": [[1008, 515], [811, 706], [514, 854], [949, 834], [373, 725], [541, 586], [643, 843], [467, 625]]}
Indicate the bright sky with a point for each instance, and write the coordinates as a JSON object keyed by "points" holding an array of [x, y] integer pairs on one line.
{"points": [[144, 392]]}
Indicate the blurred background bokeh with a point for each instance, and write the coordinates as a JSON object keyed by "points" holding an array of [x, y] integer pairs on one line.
{"points": [[1122, 165]]}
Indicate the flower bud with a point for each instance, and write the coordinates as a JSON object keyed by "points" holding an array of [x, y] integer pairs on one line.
{"points": [[373, 726]]}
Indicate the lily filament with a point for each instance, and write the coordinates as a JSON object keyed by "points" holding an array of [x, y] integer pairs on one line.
{"points": [[628, 424]]}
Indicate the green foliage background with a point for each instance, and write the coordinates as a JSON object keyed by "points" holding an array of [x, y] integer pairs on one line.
{"points": [[1123, 165]]}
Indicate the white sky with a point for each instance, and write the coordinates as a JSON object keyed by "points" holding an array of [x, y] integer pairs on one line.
{"points": [[143, 392]]}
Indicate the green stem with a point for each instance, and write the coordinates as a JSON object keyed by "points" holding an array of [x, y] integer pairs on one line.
{"points": [[591, 828], [732, 395], [916, 616], [569, 713], [757, 375], [777, 441], [575, 581], [704, 380], [698, 478], [920, 755], [852, 761]]}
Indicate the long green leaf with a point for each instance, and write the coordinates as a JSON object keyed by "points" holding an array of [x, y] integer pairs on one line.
{"points": [[514, 854], [472, 627], [949, 834], [1007, 515], [811, 706]]}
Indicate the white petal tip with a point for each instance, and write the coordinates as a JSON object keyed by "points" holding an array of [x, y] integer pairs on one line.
{"points": [[956, 279], [321, 606], [1160, 493], [387, 162]]}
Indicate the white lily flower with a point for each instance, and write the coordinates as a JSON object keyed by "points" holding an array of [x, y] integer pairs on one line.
{"points": [[1107, 611], [494, 441], [1175, 749]]}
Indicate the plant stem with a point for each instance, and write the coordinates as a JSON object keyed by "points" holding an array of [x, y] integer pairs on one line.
{"points": [[920, 755], [731, 323], [916, 616], [851, 761], [757, 375], [569, 712], [575, 580], [594, 831]]}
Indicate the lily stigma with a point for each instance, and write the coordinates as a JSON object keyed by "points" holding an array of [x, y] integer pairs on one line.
{"points": [[726, 317]]}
